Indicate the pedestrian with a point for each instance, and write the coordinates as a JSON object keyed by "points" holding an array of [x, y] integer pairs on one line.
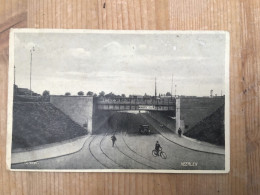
{"points": [[179, 132], [113, 138]]}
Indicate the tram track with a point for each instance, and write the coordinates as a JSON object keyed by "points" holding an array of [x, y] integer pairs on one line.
{"points": [[89, 147], [134, 152], [127, 153], [199, 151], [100, 143], [102, 152], [133, 159], [168, 166], [124, 155], [163, 165]]}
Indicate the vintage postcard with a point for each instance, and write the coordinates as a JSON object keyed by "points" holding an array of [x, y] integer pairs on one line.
{"points": [[118, 101]]}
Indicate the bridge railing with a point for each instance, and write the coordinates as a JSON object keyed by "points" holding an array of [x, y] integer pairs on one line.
{"points": [[135, 101], [136, 104], [133, 107]]}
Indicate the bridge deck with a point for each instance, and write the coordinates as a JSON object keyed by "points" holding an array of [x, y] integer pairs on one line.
{"points": [[136, 104]]}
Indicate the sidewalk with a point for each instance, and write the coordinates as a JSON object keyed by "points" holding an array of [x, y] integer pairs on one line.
{"points": [[185, 141], [49, 150]]}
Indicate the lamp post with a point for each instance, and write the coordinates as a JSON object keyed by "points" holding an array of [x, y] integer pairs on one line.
{"points": [[171, 86], [175, 91], [31, 51], [14, 74]]}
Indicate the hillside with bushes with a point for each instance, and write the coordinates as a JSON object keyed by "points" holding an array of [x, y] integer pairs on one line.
{"points": [[210, 129], [39, 123]]}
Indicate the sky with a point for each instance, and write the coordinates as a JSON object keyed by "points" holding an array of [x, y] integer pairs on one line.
{"points": [[122, 63]]}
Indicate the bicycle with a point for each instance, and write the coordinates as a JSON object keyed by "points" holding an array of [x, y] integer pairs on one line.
{"points": [[159, 153]]}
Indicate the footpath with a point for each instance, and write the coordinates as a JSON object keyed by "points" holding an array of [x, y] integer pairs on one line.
{"points": [[184, 141], [48, 150]]}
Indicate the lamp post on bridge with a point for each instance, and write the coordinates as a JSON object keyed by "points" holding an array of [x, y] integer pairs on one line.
{"points": [[31, 51], [175, 91], [14, 74]]}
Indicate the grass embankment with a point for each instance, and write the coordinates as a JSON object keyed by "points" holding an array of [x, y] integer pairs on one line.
{"points": [[36, 124], [118, 121], [210, 129]]}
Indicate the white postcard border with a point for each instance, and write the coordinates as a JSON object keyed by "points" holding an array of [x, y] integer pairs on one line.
{"points": [[10, 98]]}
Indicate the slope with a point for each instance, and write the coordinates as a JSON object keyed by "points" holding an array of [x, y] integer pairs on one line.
{"points": [[210, 129], [36, 124]]}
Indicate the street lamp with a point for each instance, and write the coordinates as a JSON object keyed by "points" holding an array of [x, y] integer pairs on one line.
{"points": [[31, 51], [14, 74], [171, 86]]}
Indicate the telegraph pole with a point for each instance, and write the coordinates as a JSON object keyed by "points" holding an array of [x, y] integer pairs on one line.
{"points": [[31, 51]]}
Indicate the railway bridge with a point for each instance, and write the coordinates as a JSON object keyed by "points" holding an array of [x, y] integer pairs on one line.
{"points": [[150, 104], [188, 111]]}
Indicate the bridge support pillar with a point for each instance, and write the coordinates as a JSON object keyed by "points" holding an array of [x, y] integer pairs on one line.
{"points": [[179, 122]]}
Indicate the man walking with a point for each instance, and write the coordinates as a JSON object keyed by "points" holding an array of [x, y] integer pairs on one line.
{"points": [[113, 138], [179, 132]]}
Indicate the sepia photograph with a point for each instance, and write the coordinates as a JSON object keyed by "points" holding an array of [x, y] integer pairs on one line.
{"points": [[118, 101]]}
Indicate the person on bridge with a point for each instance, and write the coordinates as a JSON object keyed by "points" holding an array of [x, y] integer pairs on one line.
{"points": [[179, 132], [113, 138], [157, 147]]}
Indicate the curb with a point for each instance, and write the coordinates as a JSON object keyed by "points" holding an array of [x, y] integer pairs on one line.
{"points": [[211, 150], [49, 151]]}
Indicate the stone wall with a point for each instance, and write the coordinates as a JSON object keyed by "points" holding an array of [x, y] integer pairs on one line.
{"points": [[78, 108]]}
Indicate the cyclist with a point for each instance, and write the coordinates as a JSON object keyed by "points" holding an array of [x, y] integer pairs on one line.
{"points": [[157, 147]]}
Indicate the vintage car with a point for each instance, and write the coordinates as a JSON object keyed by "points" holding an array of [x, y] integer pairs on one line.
{"points": [[144, 129]]}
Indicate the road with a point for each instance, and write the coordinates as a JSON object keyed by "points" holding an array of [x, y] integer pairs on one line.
{"points": [[131, 151]]}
